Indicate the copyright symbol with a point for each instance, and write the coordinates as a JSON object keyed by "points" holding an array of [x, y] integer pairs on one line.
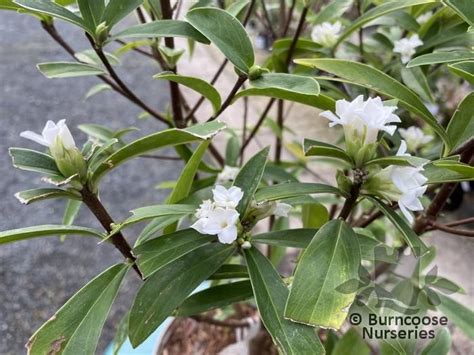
{"points": [[355, 319]]}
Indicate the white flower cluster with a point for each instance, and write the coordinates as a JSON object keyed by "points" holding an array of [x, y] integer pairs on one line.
{"points": [[326, 34], [51, 134], [219, 217], [414, 137], [406, 47], [229, 173]]}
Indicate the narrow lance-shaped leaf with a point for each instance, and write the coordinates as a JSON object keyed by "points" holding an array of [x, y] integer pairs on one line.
{"points": [[295, 238], [371, 78], [167, 288], [230, 271], [352, 343], [440, 57], [163, 28], [411, 238], [463, 8], [76, 327], [249, 178], [33, 195], [330, 260], [196, 84], [32, 160], [46, 230], [215, 297], [461, 125], [316, 148], [270, 294], [464, 69], [440, 345], [226, 33], [116, 10], [293, 189], [91, 12], [158, 140], [56, 70]]}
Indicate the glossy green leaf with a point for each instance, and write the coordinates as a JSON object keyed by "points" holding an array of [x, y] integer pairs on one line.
{"points": [[297, 88], [57, 70], [116, 10], [416, 80], [461, 125], [444, 284], [417, 246], [351, 343], [440, 57], [316, 148], [196, 84], [226, 33], [52, 9], [236, 7], [32, 160], [163, 28], [371, 78], [464, 69], [156, 253], [70, 213], [121, 333], [439, 173], [440, 345], [314, 215], [91, 12], [230, 271], [167, 288], [270, 294], [295, 238], [96, 89], [293, 189], [249, 178], [169, 137], [378, 11], [331, 259], [232, 151], [76, 327], [33, 195], [155, 226], [397, 160], [46, 230], [457, 313], [463, 8], [332, 11], [215, 297]]}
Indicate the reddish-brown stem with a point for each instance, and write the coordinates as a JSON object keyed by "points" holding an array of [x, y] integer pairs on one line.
{"points": [[240, 81], [447, 229]]}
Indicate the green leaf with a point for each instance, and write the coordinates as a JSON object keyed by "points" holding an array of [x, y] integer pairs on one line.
{"points": [[76, 327], [270, 294], [351, 343], [167, 288], [196, 84], [149, 212], [121, 333], [57, 70], [70, 213], [460, 315], [441, 173], [33, 195], [443, 283], [293, 189], [440, 345], [162, 28], [159, 252], [226, 33], [461, 125], [230, 271], [295, 238], [464, 69], [155, 226], [237, 7], [249, 178], [378, 11], [397, 160], [215, 297], [315, 215], [463, 8], [46, 230], [169, 137], [52, 9], [232, 151], [331, 259], [116, 10], [411, 238], [91, 12], [440, 57], [298, 88], [332, 11], [371, 78], [416, 80], [31, 160], [96, 89], [316, 148]]}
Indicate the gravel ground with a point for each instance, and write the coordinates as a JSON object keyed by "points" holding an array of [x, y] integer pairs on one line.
{"points": [[38, 276]]}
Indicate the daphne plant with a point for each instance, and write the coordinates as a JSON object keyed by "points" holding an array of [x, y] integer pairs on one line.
{"points": [[231, 216]]}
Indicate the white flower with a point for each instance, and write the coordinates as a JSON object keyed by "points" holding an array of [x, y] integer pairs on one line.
{"points": [[227, 198], [220, 222], [326, 34], [282, 209], [204, 209], [51, 133], [363, 118], [406, 47], [415, 138], [422, 19], [229, 173]]}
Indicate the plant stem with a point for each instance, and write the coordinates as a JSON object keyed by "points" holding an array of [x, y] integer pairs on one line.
{"points": [[268, 19], [118, 240], [240, 81], [352, 199], [447, 229], [257, 126], [297, 34]]}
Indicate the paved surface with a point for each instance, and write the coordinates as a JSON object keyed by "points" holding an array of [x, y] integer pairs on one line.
{"points": [[38, 276]]}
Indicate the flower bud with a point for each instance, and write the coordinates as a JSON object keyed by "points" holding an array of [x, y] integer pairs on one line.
{"points": [[101, 33], [246, 245], [256, 72]]}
